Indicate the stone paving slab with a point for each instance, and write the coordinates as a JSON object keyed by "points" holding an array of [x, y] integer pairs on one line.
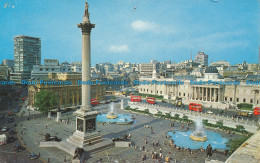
{"points": [[36, 128]]}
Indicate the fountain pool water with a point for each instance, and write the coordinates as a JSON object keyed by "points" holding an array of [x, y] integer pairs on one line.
{"points": [[121, 119], [182, 139], [112, 117]]}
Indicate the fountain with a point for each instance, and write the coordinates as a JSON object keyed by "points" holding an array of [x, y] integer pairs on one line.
{"points": [[112, 114], [113, 118], [199, 133]]}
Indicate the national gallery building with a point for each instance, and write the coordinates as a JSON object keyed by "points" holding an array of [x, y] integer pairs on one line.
{"points": [[211, 91]]}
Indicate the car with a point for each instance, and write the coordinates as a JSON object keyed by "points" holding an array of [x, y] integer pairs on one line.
{"points": [[33, 156], [4, 129], [10, 139], [209, 112], [12, 132], [18, 148]]}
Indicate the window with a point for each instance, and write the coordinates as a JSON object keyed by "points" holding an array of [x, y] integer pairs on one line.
{"points": [[257, 102], [237, 99], [244, 100], [40, 69], [251, 100], [179, 93], [157, 91], [183, 94], [161, 92], [151, 91], [225, 98], [47, 69], [230, 98], [52, 69], [147, 90], [141, 89]]}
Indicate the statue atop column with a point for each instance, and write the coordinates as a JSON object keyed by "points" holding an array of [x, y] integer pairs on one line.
{"points": [[86, 14]]}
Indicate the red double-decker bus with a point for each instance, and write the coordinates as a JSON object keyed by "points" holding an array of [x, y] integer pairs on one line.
{"points": [[94, 102], [257, 111], [136, 98], [195, 107], [151, 100]]}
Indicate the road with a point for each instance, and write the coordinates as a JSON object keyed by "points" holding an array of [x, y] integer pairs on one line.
{"points": [[7, 153]]}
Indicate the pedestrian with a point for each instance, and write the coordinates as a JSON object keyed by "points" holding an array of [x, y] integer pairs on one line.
{"points": [[65, 160], [153, 144], [46, 126], [209, 151], [145, 141], [160, 150]]}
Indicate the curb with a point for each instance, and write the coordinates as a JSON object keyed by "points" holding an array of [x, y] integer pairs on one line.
{"points": [[28, 149]]}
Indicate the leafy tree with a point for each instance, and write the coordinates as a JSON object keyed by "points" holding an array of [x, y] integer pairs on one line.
{"points": [[219, 124], [167, 115], [176, 116], [45, 100], [205, 121], [240, 128], [146, 111], [236, 143], [185, 118]]}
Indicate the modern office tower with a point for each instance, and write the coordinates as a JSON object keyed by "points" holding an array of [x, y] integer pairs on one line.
{"points": [[201, 58], [27, 52]]}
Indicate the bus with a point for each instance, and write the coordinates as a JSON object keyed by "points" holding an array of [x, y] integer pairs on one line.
{"points": [[151, 100], [94, 102], [195, 107], [257, 111], [136, 98]]}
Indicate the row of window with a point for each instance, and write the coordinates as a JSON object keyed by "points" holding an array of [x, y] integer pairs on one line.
{"points": [[238, 100]]}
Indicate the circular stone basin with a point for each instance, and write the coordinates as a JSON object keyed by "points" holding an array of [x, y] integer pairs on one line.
{"points": [[182, 139], [120, 119]]}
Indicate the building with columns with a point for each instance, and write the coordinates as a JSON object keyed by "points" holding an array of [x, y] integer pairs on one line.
{"points": [[211, 91], [67, 95]]}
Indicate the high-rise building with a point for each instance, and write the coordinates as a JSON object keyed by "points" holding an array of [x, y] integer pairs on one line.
{"points": [[202, 58], [8, 62], [27, 52]]}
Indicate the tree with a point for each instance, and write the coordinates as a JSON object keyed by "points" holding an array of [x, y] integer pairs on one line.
{"points": [[236, 143], [240, 128], [185, 118], [45, 100], [219, 124], [205, 121], [176, 116]]}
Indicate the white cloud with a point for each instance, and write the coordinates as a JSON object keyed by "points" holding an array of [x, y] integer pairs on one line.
{"points": [[118, 48], [142, 26]]}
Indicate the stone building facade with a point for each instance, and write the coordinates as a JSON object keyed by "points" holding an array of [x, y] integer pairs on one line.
{"points": [[67, 94], [214, 95]]}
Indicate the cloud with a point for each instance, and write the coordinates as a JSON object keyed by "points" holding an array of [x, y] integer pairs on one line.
{"points": [[216, 41], [142, 26], [118, 48]]}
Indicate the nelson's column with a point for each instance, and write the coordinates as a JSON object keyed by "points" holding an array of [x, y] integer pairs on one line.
{"points": [[86, 134]]}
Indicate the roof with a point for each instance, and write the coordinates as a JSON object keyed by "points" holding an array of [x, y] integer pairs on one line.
{"points": [[211, 69]]}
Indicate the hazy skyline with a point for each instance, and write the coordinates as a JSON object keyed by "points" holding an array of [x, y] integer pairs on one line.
{"points": [[136, 31]]}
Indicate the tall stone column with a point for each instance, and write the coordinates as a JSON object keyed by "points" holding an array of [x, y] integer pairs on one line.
{"points": [[85, 116]]}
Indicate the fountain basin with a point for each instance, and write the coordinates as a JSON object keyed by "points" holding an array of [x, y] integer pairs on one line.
{"points": [[122, 119], [182, 139]]}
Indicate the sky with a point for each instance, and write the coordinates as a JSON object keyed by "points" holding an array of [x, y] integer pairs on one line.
{"points": [[136, 31]]}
